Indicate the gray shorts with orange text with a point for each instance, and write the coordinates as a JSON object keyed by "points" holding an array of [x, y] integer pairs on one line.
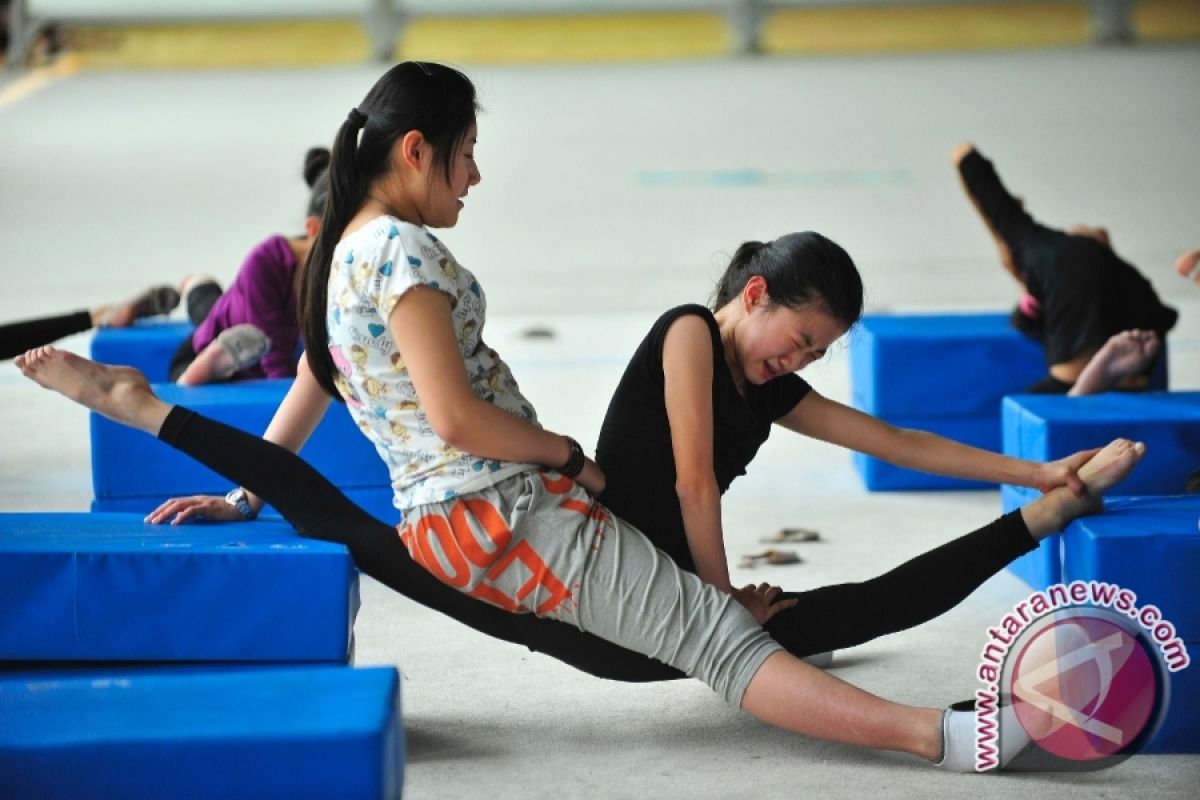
{"points": [[538, 543]]}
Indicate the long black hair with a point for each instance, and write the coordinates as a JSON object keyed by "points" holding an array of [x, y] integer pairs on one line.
{"points": [[800, 269], [436, 100]]}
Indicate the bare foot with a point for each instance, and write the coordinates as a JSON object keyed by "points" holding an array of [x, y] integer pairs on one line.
{"points": [[1124, 354], [1051, 512], [961, 151], [1188, 265], [150, 303], [120, 393]]}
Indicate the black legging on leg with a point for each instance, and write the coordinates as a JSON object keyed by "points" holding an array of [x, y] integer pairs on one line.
{"points": [[318, 510], [17, 337], [925, 587], [828, 618]]}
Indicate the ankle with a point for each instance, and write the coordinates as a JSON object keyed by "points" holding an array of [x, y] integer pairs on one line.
{"points": [[931, 744], [1051, 512]]}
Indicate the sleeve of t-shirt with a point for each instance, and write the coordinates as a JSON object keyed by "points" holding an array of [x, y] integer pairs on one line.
{"points": [[406, 258]]}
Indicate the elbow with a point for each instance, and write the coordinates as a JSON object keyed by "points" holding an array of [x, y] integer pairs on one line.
{"points": [[448, 427], [452, 424], [694, 491]]}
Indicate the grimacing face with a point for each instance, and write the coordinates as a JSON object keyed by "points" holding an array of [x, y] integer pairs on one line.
{"points": [[776, 340]]}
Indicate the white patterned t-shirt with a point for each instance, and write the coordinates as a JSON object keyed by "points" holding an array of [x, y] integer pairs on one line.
{"points": [[372, 269]]}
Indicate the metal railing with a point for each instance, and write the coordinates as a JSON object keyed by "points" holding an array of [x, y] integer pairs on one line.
{"points": [[1110, 21]]}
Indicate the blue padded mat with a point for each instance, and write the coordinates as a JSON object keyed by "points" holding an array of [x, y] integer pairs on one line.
{"points": [[130, 464], [108, 587], [294, 732], [1041, 567], [148, 344], [880, 476], [376, 502], [1150, 545], [1044, 427], [937, 365], [1180, 731]]}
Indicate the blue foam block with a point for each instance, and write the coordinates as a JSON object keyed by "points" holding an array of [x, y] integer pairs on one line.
{"points": [[1045, 427], [979, 431], [378, 502], [1151, 545], [107, 587], [1041, 567], [307, 732], [128, 464], [936, 365], [1180, 731], [148, 344]]}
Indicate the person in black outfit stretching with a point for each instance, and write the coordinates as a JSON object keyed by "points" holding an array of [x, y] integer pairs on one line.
{"points": [[17, 337], [1083, 302]]}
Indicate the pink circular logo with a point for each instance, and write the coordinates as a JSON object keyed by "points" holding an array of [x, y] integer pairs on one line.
{"points": [[1083, 688]]}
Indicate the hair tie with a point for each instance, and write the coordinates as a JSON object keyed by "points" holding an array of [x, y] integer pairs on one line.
{"points": [[356, 118]]}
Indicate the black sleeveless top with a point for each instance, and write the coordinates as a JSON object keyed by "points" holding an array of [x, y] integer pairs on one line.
{"points": [[634, 449]]}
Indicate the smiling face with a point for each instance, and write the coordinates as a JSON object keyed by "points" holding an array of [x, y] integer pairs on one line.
{"points": [[768, 340]]}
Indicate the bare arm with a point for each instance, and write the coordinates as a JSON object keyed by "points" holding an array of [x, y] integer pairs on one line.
{"points": [[294, 421], [297, 417], [830, 421], [687, 376], [421, 326], [687, 379]]}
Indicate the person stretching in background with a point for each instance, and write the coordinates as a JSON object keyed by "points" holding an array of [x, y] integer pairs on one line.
{"points": [[17, 337], [1081, 299], [251, 330]]}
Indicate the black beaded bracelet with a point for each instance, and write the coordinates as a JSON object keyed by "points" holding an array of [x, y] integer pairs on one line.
{"points": [[575, 462]]}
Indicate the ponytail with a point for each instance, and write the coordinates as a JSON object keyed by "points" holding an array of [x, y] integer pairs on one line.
{"points": [[346, 195], [731, 282]]}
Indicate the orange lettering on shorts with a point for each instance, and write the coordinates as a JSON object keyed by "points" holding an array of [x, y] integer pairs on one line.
{"points": [[542, 576], [489, 520], [589, 510], [416, 539], [559, 485], [459, 545]]}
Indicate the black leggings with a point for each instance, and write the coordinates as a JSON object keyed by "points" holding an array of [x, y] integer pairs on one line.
{"points": [[828, 618], [17, 337]]}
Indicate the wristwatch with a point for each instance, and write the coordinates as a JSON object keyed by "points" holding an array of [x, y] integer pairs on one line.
{"points": [[237, 499]]}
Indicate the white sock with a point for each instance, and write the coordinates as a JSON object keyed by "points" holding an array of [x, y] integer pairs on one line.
{"points": [[959, 729]]}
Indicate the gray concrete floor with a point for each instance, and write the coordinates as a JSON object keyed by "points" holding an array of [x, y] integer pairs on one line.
{"points": [[609, 194]]}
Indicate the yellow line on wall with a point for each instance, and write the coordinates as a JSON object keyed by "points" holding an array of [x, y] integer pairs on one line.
{"points": [[926, 27], [582, 38]]}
